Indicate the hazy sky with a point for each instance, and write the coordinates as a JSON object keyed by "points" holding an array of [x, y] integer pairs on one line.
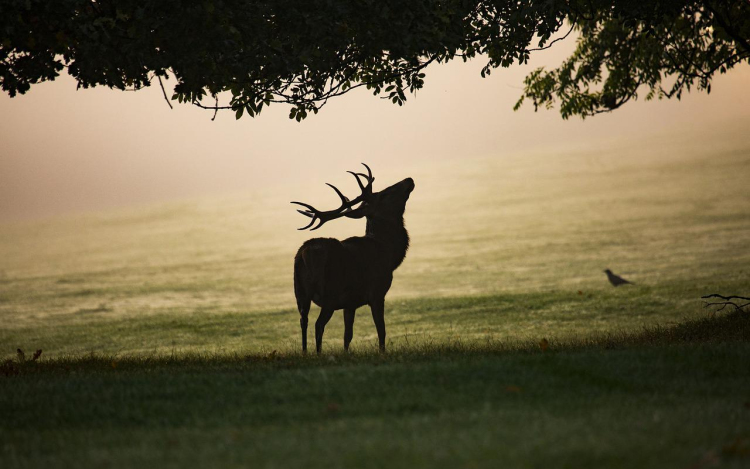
{"points": [[65, 151]]}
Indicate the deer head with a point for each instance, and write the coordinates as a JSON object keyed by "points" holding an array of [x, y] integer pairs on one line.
{"points": [[386, 204]]}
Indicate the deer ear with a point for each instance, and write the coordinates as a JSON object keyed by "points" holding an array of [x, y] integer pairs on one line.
{"points": [[359, 212]]}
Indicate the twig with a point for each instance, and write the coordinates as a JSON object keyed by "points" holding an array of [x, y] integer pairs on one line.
{"points": [[211, 108], [727, 301], [572, 27], [164, 92], [727, 298], [725, 304]]}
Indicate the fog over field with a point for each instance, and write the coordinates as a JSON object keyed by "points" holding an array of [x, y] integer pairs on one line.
{"points": [[67, 151], [114, 208], [667, 212]]}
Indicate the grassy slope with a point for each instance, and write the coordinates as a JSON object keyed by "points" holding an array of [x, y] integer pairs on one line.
{"points": [[557, 315], [669, 397], [499, 247], [503, 253]]}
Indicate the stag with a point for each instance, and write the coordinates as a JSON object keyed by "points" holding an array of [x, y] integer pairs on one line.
{"points": [[357, 271]]}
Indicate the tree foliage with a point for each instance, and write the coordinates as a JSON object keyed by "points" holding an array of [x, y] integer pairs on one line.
{"points": [[663, 49], [305, 52]]}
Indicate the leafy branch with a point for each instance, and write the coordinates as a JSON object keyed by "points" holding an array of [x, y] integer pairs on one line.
{"points": [[302, 54]]}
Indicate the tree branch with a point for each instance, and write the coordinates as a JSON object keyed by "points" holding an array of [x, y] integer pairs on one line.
{"points": [[727, 301], [727, 298], [164, 92], [572, 27]]}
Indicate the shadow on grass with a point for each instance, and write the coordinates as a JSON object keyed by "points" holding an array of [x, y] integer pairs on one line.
{"points": [[732, 327]]}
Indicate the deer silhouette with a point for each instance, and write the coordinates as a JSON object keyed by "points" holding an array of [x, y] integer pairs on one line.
{"points": [[357, 271]]}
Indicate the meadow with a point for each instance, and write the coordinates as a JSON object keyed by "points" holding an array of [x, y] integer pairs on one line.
{"points": [[169, 335]]}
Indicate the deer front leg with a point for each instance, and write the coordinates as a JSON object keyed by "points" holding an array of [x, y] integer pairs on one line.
{"points": [[303, 326], [320, 327], [378, 315], [348, 327]]}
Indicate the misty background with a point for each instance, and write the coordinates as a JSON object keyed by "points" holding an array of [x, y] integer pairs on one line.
{"points": [[69, 151]]}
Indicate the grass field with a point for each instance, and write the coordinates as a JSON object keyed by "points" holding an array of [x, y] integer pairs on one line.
{"points": [[170, 338], [666, 398]]}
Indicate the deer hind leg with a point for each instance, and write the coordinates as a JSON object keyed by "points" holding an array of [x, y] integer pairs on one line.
{"points": [[348, 327], [301, 289], [378, 315], [320, 326], [303, 326]]}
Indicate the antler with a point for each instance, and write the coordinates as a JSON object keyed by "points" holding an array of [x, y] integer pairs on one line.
{"points": [[345, 210]]}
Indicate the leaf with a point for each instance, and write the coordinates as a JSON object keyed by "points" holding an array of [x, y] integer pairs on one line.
{"points": [[20, 355], [332, 408], [544, 344], [37, 354]]}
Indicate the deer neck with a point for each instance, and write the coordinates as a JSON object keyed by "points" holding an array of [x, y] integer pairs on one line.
{"points": [[392, 235]]}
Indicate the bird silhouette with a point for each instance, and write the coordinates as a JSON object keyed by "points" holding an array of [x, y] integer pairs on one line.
{"points": [[616, 280]]}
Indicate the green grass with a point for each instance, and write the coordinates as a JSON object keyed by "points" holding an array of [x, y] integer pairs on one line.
{"points": [[170, 338], [661, 398], [557, 315]]}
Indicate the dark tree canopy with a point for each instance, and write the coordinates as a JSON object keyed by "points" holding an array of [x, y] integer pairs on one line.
{"points": [[304, 52]]}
